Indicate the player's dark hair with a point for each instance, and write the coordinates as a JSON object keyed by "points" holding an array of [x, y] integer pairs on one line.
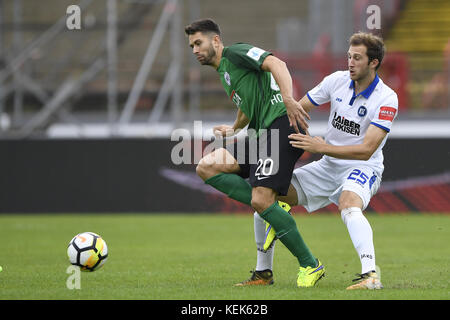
{"points": [[373, 43], [204, 26]]}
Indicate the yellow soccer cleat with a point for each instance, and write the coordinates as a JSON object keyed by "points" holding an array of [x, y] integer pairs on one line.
{"points": [[369, 280], [270, 235], [307, 277], [258, 278]]}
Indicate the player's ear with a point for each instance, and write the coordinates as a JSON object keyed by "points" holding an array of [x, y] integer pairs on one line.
{"points": [[216, 40], [374, 63]]}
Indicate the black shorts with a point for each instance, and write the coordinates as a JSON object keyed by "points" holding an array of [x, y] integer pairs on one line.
{"points": [[269, 160]]}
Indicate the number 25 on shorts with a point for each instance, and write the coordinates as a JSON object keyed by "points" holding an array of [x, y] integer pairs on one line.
{"points": [[359, 176]]}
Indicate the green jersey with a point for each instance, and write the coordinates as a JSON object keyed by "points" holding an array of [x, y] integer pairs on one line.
{"points": [[252, 90]]}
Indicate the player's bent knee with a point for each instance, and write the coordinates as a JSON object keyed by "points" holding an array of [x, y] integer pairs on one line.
{"points": [[216, 162], [204, 169], [349, 199]]}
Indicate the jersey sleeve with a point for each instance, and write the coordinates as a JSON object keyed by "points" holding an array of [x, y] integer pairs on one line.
{"points": [[246, 56], [322, 92], [386, 113]]}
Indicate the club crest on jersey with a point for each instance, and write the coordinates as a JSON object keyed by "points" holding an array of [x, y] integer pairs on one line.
{"points": [[362, 111], [345, 125], [227, 78]]}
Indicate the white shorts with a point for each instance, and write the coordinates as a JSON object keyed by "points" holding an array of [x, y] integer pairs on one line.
{"points": [[319, 184]]}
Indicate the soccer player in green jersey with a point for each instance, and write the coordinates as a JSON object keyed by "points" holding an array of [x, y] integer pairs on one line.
{"points": [[260, 86]]}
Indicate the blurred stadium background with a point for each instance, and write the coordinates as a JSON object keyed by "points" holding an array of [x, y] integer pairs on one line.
{"points": [[86, 115]]}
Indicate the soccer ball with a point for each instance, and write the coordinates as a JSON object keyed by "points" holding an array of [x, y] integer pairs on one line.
{"points": [[88, 251]]}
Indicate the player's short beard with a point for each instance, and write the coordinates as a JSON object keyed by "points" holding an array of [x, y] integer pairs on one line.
{"points": [[209, 58], [362, 75]]}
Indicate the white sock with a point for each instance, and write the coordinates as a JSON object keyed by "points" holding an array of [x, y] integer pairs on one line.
{"points": [[264, 260], [361, 235]]}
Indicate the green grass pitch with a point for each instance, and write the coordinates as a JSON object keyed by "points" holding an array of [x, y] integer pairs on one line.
{"points": [[200, 257]]}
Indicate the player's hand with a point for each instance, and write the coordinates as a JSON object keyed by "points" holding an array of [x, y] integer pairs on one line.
{"points": [[296, 115], [223, 131], [307, 143]]}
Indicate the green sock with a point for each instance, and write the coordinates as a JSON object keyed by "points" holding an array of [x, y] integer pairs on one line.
{"points": [[233, 186], [287, 232]]}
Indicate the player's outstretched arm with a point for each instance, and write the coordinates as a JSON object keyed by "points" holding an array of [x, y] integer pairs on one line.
{"points": [[281, 74], [306, 104], [364, 151]]}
